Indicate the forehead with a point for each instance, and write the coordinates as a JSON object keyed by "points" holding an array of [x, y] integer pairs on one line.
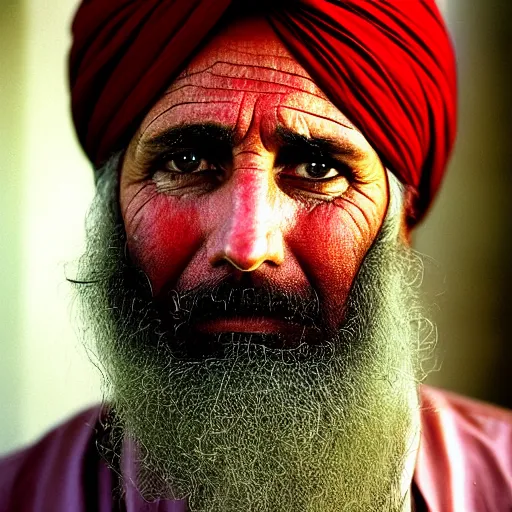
{"points": [[245, 70]]}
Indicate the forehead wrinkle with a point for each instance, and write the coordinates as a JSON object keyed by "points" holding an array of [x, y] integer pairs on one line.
{"points": [[315, 115], [271, 71], [283, 71], [189, 93], [253, 76], [257, 124], [239, 116], [266, 67], [168, 109], [227, 89], [278, 62], [288, 90]]}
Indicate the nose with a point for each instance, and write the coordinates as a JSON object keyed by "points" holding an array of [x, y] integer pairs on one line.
{"points": [[248, 234]]}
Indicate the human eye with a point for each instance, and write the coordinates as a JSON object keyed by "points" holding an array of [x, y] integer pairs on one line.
{"points": [[187, 162], [323, 177], [317, 170], [187, 171]]}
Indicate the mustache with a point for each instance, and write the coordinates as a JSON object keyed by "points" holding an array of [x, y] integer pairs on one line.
{"points": [[239, 298]]}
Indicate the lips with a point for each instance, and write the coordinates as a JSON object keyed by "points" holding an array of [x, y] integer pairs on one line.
{"points": [[210, 320], [261, 324], [270, 331]]}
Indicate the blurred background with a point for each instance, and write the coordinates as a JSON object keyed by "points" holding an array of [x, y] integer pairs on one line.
{"points": [[47, 186]]}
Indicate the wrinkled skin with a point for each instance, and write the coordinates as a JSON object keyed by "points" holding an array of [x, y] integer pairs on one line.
{"points": [[258, 210]]}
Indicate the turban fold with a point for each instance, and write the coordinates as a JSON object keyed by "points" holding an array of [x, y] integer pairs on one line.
{"points": [[388, 65]]}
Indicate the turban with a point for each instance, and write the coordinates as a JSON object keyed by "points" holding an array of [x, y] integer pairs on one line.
{"points": [[388, 65]]}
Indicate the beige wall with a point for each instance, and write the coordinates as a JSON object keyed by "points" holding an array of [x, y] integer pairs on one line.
{"points": [[44, 372], [57, 378], [469, 228], [47, 185], [11, 100]]}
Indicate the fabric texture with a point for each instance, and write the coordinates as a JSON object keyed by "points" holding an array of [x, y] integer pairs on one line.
{"points": [[387, 65], [464, 465]]}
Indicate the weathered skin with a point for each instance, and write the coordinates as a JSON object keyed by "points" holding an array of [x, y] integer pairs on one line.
{"points": [[250, 215]]}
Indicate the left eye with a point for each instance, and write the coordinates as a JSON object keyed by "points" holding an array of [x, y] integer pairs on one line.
{"points": [[187, 162], [316, 170]]}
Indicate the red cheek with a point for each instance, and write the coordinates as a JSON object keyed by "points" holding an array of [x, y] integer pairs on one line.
{"points": [[162, 236], [330, 250]]}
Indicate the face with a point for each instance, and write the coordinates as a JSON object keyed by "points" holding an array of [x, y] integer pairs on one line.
{"points": [[245, 170], [250, 210]]}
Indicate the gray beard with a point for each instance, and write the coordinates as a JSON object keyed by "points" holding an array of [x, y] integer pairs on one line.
{"points": [[324, 428]]}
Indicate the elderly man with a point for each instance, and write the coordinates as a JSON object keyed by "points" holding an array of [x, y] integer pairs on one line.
{"points": [[248, 284]]}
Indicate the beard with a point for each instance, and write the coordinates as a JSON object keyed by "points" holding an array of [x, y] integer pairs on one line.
{"points": [[245, 422]]}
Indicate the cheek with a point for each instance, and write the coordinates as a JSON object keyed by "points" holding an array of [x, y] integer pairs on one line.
{"points": [[162, 235], [330, 248]]}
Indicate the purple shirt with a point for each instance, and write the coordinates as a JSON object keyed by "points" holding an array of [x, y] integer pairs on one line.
{"points": [[464, 465]]}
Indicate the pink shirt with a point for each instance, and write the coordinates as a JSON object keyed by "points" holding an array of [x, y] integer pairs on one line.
{"points": [[464, 465], [465, 458]]}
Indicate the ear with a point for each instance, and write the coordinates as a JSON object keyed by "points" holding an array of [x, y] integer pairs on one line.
{"points": [[407, 214]]}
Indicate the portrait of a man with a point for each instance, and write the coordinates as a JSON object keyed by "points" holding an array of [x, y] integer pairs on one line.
{"points": [[248, 283]]}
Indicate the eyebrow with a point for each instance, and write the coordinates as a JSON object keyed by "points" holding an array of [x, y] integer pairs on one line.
{"points": [[189, 135], [222, 138], [291, 140]]}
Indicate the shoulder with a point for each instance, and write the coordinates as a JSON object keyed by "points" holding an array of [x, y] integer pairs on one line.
{"points": [[54, 473], [438, 401], [465, 457]]}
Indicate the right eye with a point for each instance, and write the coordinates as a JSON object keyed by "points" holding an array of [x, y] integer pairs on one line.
{"points": [[187, 162]]}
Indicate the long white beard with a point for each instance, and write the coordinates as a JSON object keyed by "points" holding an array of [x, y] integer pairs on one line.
{"points": [[261, 430]]}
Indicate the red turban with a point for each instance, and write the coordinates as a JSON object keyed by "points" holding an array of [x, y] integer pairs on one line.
{"points": [[388, 65]]}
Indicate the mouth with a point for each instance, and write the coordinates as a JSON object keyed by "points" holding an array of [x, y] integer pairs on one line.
{"points": [[205, 320], [290, 334], [263, 325]]}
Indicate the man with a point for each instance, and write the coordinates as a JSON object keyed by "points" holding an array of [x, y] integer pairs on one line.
{"points": [[248, 284]]}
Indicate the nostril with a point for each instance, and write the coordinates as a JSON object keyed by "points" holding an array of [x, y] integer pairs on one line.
{"points": [[247, 254]]}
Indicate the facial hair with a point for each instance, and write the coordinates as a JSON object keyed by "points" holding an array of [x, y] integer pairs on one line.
{"points": [[251, 426]]}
